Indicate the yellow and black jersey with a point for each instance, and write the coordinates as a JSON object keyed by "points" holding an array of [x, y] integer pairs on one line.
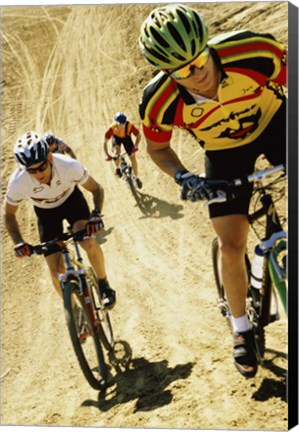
{"points": [[253, 71]]}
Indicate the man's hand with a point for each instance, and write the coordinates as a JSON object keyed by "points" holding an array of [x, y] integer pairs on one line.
{"points": [[23, 250], [94, 224], [193, 187]]}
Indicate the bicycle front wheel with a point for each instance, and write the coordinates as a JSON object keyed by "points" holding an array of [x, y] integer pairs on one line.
{"points": [[101, 313], [84, 339]]}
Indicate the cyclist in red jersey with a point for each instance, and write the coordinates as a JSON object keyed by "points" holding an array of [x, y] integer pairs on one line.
{"points": [[228, 93], [120, 133]]}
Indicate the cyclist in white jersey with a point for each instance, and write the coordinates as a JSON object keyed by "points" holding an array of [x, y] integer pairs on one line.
{"points": [[50, 182]]}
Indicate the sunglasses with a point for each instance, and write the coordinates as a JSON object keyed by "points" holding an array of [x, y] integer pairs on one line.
{"points": [[42, 167], [186, 71]]}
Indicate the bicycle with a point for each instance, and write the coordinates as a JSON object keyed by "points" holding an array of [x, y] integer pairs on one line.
{"points": [[126, 170], [87, 317], [273, 243]]}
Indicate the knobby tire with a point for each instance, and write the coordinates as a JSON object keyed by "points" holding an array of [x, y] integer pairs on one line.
{"points": [[95, 373], [103, 318]]}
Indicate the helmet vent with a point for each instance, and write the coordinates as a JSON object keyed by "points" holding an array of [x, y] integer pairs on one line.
{"points": [[184, 21], [158, 55], [193, 47], [177, 37], [198, 28], [159, 38]]}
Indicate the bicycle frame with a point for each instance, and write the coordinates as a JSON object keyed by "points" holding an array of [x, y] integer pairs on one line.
{"points": [[80, 276], [273, 232]]}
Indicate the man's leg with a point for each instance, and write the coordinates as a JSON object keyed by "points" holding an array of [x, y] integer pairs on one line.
{"points": [[134, 164], [56, 266], [116, 152], [97, 261], [232, 232]]}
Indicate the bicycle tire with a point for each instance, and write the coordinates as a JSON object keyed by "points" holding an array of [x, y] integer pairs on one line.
{"points": [[131, 183], [252, 302], [102, 314], [88, 348]]}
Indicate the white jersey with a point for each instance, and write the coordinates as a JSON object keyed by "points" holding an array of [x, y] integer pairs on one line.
{"points": [[66, 174]]}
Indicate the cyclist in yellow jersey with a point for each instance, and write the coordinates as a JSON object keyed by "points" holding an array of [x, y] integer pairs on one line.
{"points": [[228, 93], [120, 133]]}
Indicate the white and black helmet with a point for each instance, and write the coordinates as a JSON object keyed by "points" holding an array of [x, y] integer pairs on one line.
{"points": [[30, 149]]}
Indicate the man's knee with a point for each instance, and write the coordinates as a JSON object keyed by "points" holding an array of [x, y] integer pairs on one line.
{"points": [[230, 250]]}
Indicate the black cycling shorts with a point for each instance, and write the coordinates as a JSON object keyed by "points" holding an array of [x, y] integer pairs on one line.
{"points": [[239, 162], [50, 221], [126, 141]]}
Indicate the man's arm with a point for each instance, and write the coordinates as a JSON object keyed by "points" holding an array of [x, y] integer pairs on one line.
{"points": [[69, 151], [97, 191], [11, 223], [105, 146], [137, 141], [164, 157]]}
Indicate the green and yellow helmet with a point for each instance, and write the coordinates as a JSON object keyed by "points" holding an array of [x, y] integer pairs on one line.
{"points": [[172, 36]]}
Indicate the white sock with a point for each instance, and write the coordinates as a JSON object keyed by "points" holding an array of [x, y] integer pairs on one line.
{"points": [[240, 324]]}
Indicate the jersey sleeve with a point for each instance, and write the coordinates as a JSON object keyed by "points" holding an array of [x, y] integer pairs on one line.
{"points": [[155, 108], [109, 133], [252, 51], [133, 129], [79, 174], [14, 194]]}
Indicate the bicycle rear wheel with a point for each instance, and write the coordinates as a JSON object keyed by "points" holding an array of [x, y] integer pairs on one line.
{"points": [[84, 340], [252, 302]]}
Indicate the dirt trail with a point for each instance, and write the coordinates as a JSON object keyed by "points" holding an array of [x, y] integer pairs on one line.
{"points": [[68, 69]]}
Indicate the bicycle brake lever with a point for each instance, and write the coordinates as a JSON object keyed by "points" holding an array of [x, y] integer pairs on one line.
{"points": [[219, 198]]}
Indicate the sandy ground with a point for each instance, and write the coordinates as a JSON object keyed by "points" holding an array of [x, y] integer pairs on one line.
{"points": [[69, 69]]}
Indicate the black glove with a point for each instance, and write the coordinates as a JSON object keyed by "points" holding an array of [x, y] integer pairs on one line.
{"points": [[193, 187], [94, 224], [23, 249]]}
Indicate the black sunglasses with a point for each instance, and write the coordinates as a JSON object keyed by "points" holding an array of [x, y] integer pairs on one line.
{"points": [[42, 167]]}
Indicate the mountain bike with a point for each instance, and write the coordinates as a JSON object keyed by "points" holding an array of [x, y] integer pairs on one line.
{"points": [[262, 304], [87, 317], [126, 170]]}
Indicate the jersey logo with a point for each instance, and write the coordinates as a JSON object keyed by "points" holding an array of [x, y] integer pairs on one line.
{"points": [[247, 120], [197, 112], [38, 189]]}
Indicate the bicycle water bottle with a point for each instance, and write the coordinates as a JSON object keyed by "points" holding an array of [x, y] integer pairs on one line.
{"points": [[257, 268]]}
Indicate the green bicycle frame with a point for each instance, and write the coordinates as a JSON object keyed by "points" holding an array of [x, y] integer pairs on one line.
{"points": [[277, 275]]}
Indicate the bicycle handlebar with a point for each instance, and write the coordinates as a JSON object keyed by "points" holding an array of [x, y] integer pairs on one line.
{"points": [[43, 247], [222, 196]]}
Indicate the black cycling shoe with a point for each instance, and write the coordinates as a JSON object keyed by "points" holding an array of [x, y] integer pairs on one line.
{"points": [[138, 182], [244, 353], [108, 296], [118, 172]]}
